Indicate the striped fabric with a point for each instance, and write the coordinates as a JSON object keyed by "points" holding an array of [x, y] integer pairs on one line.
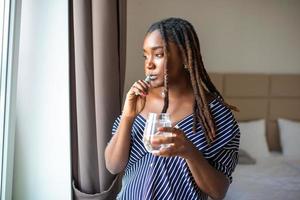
{"points": [[152, 177]]}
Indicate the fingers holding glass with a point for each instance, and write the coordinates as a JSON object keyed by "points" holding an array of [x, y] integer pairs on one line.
{"points": [[176, 142]]}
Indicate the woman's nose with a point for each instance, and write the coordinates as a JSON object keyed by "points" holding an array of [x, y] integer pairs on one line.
{"points": [[149, 64]]}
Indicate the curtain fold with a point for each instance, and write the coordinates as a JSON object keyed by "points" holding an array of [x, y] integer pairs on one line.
{"points": [[97, 70]]}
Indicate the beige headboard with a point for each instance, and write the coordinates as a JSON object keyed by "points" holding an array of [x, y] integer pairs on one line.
{"points": [[262, 96]]}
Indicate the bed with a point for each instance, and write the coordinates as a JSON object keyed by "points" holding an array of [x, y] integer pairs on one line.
{"points": [[269, 179], [269, 118]]}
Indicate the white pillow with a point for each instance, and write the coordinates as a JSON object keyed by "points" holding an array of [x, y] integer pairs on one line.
{"points": [[290, 137], [253, 138]]}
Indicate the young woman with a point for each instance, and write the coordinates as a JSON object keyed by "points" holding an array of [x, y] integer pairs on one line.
{"points": [[205, 136]]}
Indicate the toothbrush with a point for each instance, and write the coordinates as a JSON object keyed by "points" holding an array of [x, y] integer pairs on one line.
{"points": [[148, 78]]}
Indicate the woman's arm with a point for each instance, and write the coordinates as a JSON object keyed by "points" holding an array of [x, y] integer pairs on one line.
{"points": [[117, 150], [209, 180]]}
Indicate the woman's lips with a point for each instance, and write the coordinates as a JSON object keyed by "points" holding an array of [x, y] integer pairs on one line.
{"points": [[153, 77], [150, 78]]}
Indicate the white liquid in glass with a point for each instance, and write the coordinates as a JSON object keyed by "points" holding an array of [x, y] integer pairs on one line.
{"points": [[155, 121]]}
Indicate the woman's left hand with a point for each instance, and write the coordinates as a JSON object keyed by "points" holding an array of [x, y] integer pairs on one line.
{"points": [[180, 145]]}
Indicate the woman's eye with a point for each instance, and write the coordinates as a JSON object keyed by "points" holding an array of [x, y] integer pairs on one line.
{"points": [[159, 55]]}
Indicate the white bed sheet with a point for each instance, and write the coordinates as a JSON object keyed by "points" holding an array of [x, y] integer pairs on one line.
{"points": [[272, 178]]}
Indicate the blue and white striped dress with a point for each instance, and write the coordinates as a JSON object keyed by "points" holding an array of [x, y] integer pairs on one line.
{"points": [[153, 177]]}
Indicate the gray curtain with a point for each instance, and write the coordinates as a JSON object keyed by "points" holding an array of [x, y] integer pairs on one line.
{"points": [[97, 68]]}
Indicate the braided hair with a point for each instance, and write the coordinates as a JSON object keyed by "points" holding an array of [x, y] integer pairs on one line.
{"points": [[183, 34]]}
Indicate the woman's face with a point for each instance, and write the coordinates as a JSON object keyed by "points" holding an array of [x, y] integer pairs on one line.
{"points": [[155, 58]]}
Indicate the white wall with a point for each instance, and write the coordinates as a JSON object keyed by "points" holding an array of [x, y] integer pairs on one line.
{"points": [[235, 35], [42, 148]]}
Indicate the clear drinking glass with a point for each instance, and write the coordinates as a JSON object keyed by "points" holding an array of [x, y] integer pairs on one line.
{"points": [[154, 121]]}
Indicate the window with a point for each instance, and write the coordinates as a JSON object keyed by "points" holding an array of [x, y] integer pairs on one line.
{"points": [[8, 74]]}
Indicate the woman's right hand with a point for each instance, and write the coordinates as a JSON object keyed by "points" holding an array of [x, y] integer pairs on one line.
{"points": [[135, 99]]}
